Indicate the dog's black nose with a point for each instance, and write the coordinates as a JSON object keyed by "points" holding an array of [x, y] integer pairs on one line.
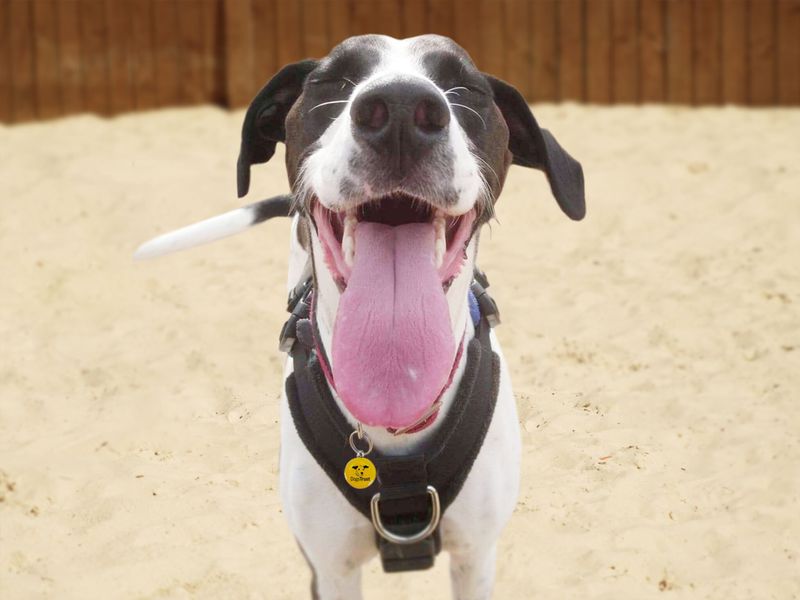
{"points": [[401, 120]]}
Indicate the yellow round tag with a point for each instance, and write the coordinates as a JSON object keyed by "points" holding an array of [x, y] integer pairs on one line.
{"points": [[360, 472]]}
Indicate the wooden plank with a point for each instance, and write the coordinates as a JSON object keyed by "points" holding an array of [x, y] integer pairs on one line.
{"points": [[23, 92], [652, 51], [570, 50], [5, 66], [544, 71], [789, 52], [315, 28], [467, 30], [94, 55], [598, 51], [339, 23], [441, 18], [289, 21], [492, 37], [121, 92], [265, 45], [706, 52], [362, 17], [143, 57], [761, 19], [415, 20], [211, 24], [518, 55], [69, 56], [679, 51], [545, 67], [190, 52], [167, 52], [389, 15], [625, 54], [48, 93], [240, 84], [734, 52]]}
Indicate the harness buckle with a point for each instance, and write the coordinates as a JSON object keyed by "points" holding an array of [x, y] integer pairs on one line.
{"points": [[297, 293], [480, 277], [487, 305], [298, 305]]}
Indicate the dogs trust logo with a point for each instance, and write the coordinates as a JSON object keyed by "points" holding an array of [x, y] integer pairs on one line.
{"points": [[360, 473]]}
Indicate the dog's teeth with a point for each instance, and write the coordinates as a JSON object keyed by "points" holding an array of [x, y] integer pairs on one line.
{"points": [[349, 238], [441, 239]]}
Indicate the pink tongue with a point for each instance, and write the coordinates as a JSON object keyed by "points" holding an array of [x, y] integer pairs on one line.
{"points": [[393, 345]]}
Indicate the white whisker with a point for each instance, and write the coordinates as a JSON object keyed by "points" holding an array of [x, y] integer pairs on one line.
{"points": [[453, 90], [330, 102], [302, 191], [487, 165], [486, 196], [472, 110]]}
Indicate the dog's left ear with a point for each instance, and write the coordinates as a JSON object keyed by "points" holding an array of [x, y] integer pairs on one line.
{"points": [[264, 122], [537, 148]]}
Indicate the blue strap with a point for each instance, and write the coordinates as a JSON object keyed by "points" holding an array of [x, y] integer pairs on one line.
{"points": [[474, 309]]}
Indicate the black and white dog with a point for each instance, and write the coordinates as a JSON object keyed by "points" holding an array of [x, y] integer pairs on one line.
{"points": [[396, 151]]}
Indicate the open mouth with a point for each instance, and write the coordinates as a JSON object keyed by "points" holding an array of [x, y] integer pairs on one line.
{"points": [[338, 232], [393, 344]]}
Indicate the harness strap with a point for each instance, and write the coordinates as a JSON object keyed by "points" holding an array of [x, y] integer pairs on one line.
{"points": [[405, 509]]}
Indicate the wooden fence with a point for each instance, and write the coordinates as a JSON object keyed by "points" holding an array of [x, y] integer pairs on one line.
{"points": [[61, 57]]}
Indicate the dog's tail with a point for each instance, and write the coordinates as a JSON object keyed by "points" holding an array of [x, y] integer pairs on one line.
{"points": [[215, 228]]}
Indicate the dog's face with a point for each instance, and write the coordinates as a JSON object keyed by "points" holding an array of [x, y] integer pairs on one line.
{"points": [[374, 125], [396, 151]]}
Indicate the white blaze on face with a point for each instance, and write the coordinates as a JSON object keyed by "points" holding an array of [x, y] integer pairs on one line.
{"points": [[325, 170]]}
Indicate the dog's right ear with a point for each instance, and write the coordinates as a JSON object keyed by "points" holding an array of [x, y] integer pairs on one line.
{"points": [[264, 122]]}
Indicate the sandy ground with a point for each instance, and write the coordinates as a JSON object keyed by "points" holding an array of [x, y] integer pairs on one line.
{"points": [[654, 348]]}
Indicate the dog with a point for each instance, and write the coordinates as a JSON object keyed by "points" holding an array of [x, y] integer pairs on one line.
{"points": [[396, 152]]}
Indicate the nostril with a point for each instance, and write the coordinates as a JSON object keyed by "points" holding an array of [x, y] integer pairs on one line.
{"points": [[431, 116], [371, 113]]}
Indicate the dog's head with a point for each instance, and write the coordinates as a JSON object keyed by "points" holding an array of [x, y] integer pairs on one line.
{"points": [[396, 151]]}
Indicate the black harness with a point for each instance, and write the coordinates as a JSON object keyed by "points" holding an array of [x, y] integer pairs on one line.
{"points": [[405, 504]]}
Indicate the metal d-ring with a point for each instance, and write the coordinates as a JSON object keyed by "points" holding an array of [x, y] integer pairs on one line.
{"points": [[406, 539], [360, 435]]}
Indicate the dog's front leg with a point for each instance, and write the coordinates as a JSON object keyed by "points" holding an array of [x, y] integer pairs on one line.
{"points": [[472, 573], [475, 520], [333, 586], [335, 582], [334, 556], [335, 539]]}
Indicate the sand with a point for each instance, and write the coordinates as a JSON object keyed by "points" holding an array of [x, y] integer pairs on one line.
{"points": [[654, 349]]}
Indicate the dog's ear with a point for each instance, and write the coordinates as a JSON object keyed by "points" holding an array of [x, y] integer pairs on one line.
{"points": [[537, 148], [264, 122]]}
